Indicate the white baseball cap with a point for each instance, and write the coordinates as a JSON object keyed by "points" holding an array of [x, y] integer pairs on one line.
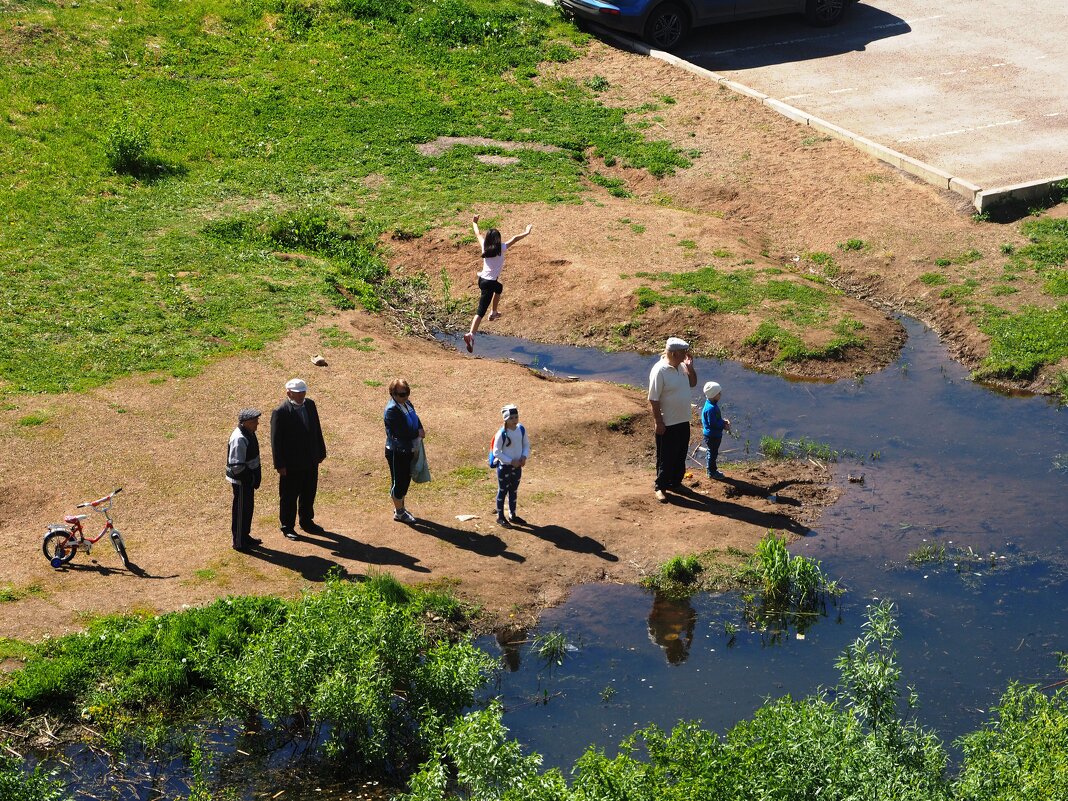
{"points": [[296, 385]]}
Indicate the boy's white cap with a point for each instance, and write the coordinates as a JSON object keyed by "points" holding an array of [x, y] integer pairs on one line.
{"points": [[712, 389], [511, 410], [674, 343], [296, 385]]}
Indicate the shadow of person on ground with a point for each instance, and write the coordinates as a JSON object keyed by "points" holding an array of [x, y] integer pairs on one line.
{"points": [[567, 540], [689, 499], [348, 548], [482, 544]]}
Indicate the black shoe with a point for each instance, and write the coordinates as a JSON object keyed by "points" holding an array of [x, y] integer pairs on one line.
{"points": [[313, 528], [253, 541], [517, 520], [501, 520], [290, 534], [241, 549]]}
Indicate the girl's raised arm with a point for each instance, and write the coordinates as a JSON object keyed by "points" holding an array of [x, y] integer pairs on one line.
{"points": [[478, 234], [517, 237]]}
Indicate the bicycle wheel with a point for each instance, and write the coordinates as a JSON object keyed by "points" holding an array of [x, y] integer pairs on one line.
{"points": [[59, 547], [120, 548]]}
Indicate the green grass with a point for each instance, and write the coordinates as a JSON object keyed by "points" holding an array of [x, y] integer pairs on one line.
{"points": [[795, 309], [802, 448], [791, 347], [933, 279], [852, 244], [135, 140], [334, 337], [1022, 343]]}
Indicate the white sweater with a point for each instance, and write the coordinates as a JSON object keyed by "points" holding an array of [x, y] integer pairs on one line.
{"points": [[518, 447]]}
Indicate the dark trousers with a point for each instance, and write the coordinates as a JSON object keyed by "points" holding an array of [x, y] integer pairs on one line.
{"points": [[672, 448], [711, 458], [400, 472], [508, 478], [241, 514], [296, 493]]}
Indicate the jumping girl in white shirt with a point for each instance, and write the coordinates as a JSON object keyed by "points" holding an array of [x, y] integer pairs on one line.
{"points": [[489, 287]]}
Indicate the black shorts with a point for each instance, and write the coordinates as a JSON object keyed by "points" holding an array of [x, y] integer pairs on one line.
{"points": [[488, 288]]}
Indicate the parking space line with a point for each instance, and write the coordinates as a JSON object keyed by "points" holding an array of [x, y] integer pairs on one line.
{"points": [[959, 131]]}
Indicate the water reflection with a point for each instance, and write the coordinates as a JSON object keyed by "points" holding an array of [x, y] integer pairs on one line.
{"points": [[671, 625]]}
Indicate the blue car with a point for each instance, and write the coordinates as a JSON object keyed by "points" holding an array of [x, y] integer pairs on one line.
{"points": [[665, 23]]}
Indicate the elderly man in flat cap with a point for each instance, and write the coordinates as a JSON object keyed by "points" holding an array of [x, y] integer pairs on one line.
{"points": [[297, 447], [243, 473], [670, 382]]}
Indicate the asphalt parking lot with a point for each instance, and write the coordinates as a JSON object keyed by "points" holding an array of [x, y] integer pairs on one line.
{"points": [[977, 89]]}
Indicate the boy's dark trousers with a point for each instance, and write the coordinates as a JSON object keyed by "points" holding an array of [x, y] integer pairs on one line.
{"points": [[712, 443]]}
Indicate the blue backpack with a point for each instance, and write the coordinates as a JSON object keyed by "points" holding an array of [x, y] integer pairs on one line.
{"points": [[491, 459]]}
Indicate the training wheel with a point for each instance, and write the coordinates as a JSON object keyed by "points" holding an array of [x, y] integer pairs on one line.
{"points": [[57, 562]]}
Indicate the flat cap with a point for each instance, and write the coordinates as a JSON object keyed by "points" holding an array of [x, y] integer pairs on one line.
{"points": [[674, 343], [248, 414], [296, 385]]}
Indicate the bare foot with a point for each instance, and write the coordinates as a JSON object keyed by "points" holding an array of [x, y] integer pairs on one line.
{"points": [[469, 340], [494, 315]]}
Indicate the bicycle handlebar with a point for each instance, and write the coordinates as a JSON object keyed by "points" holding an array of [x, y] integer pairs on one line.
{"points": [[99, 501]]}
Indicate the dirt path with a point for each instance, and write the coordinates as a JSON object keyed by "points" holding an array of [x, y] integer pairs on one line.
{"points": [[762, 188], [587, 492]]}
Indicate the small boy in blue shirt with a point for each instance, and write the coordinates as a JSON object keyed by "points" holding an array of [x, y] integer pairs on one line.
{"points": [[713, 423]]}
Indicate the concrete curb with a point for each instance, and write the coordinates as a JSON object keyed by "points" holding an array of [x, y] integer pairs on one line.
{"points": [[982, 199]]}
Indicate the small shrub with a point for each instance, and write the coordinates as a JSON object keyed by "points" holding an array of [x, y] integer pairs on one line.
{"points": [[597, 83], [851, 244], [126, 147], [933, 279]]}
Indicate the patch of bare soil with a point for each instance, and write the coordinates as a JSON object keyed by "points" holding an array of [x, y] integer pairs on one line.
{"points": [[587, 492], [762, 187]]}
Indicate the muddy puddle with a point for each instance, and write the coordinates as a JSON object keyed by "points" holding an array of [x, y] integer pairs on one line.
{"points": [[936, 460]]}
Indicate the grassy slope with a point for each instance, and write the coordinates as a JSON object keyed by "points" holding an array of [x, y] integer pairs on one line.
{"points": [[251, 108]]}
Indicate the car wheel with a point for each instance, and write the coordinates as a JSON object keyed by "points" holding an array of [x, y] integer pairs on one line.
{"points": [[824, 12], [667, 26]]}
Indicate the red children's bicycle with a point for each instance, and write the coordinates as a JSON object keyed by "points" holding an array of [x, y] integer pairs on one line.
{"points": [[62, 541]]}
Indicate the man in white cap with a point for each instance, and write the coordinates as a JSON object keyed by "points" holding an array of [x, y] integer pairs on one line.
{"points": [[297, 447], [670, 382], [243, 473]]}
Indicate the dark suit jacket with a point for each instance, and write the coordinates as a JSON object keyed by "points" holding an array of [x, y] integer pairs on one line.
{"points": [[292, 445]]}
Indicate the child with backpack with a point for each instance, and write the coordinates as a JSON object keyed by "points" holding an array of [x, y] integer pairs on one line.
{"points": [[509, 453]]}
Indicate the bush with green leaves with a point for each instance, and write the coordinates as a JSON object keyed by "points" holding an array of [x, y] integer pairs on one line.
{"points": [[18, 784], [358, 658]]}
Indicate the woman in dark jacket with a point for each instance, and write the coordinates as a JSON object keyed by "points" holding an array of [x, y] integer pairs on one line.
{"points": [[403, 429]]}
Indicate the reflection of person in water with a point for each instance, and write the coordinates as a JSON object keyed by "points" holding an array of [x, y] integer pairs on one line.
{"points": [[509, 640], [671, 624]]}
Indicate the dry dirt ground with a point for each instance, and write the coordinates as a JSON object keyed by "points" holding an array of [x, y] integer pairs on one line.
{"points": [[587, 492], [761, 188]]}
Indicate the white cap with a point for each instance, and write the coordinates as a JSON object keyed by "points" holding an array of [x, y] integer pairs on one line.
{"points": [[296, 385], [674, 343], [511, 410], [711, 389]]}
